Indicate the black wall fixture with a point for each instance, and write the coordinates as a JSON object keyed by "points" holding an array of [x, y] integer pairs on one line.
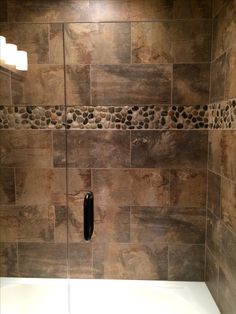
{"points": [[88, 216]]}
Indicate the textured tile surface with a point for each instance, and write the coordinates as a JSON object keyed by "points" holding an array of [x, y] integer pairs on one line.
{"points": [[7, 186]]}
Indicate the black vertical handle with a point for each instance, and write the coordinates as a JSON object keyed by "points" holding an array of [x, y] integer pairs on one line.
{"points": [[88, 215]]}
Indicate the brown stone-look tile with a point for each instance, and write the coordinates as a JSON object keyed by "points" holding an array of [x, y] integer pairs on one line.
{"points": [[36, 223], [59, 149], [111, 224], [171, 41], [42, 260], [212, 274], [80, 260], [8, 260], [7, 186], [97, 43], [185, 9], [224, 29], [130, 261], [134, 10], [214, 151], [78, 85], [40, 186], [137, 187], [227, 294], [169, 225], [3, 11], [56, 43], [40, 85], [213, 197], [26, 148], [230, 76], [8, 223], [60, 229], [50, 11], [76, 218], [32, 38], [218, 68], [103, 149], [217, 6], [228, 203], [169, 149], [188, 188], [191, 84], [130, 84], [78, 180], [5, 87], [186, 262], [214, 234]]}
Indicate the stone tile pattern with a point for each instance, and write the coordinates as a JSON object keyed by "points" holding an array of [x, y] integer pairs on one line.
{"points": [[222, 115], [104, 117]]}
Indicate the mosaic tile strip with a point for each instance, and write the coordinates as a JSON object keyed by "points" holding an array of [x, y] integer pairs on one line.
{"points": [[104, 117], [222, 115], [32, 117], [137, 117]]}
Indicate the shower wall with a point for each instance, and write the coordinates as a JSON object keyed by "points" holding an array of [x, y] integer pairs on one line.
{"points": [[114, 101], [221, 205]]}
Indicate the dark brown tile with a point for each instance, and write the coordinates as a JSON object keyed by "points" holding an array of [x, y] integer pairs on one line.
{"points": [[191, 84], [185, 9], [169, 149], [80, 260], [230, 76], [186, 262], [36, 223], [214, 150], [212, 274], [213, 198], [172, 41], [40, 85], [188, 188], [103, 149], [8, 260], [32, 38], [7, 186], [214, 234], [8, 223], [78, 180], [78, 85], [169, 225], [227, 294], [137, 187], [130, 261], [217, 6], [97, 43], [131, 84], [3, 11], [224, 29], [40, 186], [59, 148], [134, 10], [25, 148], [218, 68], [60, 229], [56, 44], [228, 203], [5, 87], [49, 11], [42, 260]]}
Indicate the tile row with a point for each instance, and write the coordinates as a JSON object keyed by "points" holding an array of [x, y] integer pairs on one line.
{"points": [[128, 84], [102, 10], [114, 260]]}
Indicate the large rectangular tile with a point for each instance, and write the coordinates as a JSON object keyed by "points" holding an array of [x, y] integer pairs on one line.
{"points": [[230, 75], [186, 262], [214, 234], [7, 186], [130, 261], [8, 223], [98, 43], [56, 50], [187, 9], [191, 84], [103, 149], [26, 148], [40, 186], [218, 69], [214, 193], [172, 41], [80, 260], [169, 149], [131, 84], [3, 11], [188, 188], [212, 274], [5, 87], [42, 260], [8, 260], [40, 85], [228, 203], [169, 225], [60, 227], [49, 11]]}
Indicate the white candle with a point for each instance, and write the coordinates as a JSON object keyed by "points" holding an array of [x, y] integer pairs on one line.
{"points": [[2, 48], [21, 60], [10, 54]]}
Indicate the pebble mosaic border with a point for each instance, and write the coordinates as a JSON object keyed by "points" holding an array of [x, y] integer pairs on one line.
{"points": [[104, 117], [222, 115]]}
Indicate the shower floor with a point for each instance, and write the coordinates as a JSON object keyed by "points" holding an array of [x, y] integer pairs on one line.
{"points": [[74, 296]]}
